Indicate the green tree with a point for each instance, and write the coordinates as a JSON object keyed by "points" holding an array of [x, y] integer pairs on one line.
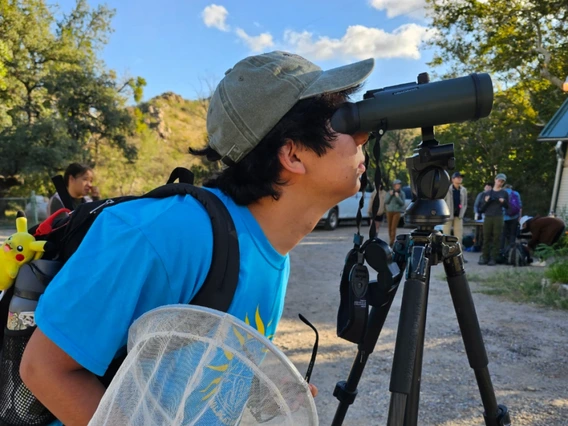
{"points": [[396, 146], [523, 45], [59, 104]]}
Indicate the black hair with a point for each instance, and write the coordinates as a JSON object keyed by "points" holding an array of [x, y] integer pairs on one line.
{"points": [[257, 175], [75, 170]]}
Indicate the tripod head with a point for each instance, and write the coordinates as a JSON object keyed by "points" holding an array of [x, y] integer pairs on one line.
{"points": [[429, 182]]}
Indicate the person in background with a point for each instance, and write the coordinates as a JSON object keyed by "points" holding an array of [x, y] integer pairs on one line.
{"points": [[511, 218], [456, 199], [544, 230], [78, 180], [394, 204], [493, 204], [479, 201], [379, 217]]}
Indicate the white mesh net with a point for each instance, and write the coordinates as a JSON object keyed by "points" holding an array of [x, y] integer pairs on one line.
{"points": [[189, 365]]}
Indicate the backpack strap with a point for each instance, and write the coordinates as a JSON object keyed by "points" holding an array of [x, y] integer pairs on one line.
{"points": [[184, 175], [221, 282], [61, 189], [219, 287]]}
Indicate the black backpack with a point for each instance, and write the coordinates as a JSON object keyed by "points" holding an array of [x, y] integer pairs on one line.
{"points": [[517, 254], [64, 236]]}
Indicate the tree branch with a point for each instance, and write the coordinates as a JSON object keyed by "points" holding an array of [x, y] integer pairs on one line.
{"points": [[544, 71]]}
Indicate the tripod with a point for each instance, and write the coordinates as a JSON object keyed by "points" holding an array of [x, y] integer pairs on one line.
{"points": [[412, 257]]}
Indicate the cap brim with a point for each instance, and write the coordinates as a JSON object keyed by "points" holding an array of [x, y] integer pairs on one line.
{"points": [[341, 78]]}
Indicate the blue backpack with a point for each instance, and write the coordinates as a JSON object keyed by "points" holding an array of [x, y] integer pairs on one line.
{"points": [[514, 204]]}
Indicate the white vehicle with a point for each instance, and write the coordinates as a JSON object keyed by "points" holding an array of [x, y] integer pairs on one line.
{"points": [[347, 210]]}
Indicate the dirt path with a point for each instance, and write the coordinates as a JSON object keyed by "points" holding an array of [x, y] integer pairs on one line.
{"points": [[527, 347]]}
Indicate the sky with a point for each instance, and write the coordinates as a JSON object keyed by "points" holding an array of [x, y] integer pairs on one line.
{"points": [[185, 46]]}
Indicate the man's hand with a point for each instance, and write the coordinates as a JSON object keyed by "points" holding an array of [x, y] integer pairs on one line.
{"points": [[501, 200], [486, 198], [313, 390], [391, 192]]}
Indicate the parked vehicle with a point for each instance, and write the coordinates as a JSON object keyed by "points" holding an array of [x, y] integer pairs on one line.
{"points": [[347, 210]]}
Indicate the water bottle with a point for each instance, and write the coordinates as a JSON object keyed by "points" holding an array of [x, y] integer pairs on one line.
{"points": [[18, 406], [30, 284]]}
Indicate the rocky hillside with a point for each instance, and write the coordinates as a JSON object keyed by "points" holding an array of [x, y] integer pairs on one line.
{"points": [[169, 125]]}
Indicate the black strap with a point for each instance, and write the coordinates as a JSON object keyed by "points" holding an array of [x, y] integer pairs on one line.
{"points": [[221, 282], [184, 175], [61, 189], [219, 287]]}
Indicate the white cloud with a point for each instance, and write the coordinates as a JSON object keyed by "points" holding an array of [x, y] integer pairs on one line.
{"points": [[255, 43], [360, 42], [215, 16], [412, 8]]}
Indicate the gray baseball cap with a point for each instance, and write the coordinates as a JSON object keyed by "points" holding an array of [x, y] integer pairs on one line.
{"points": [[501, 176], [259, 90]]}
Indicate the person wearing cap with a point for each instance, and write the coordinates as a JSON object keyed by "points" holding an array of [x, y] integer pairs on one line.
{"points": [[269, 123], [456, 199], [543, 229], [492, 207], [394, 206]]}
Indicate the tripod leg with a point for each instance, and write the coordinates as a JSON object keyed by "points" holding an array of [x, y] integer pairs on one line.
{"points": [[494, 415], [412, 404], [409, 340]]}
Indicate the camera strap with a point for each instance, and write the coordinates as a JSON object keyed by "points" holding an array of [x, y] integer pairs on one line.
{"points": [[353, 307], [377, 181]]}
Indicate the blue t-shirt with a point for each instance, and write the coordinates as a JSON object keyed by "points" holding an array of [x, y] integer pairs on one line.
{"points": [[147, 253]]}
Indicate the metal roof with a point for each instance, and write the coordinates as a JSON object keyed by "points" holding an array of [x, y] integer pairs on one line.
{"points": [[557, 128]]}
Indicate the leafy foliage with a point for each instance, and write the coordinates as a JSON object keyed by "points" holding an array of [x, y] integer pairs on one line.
{"points": [[523, 45], [59, 104]]}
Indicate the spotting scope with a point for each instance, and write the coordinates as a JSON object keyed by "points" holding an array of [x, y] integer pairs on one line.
{"points": [[413, 105]]}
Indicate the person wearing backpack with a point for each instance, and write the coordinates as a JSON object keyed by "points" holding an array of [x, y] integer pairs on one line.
{"points": [[268, 122], [511, 217]]}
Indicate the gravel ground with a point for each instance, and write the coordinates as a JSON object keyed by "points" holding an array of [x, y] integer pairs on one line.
{"points": [[527, 346]]}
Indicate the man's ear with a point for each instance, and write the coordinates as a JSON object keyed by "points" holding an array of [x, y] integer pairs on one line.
{"points": [[290, 156]]}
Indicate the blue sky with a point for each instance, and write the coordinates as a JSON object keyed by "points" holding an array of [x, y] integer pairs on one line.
{"points": [[185, 45]]}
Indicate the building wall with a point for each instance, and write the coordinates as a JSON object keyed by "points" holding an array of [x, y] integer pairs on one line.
{"points": [[562, 203]]}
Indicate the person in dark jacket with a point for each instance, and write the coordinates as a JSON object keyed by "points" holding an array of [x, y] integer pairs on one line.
{"points": [[492, 206], [479, 201]]}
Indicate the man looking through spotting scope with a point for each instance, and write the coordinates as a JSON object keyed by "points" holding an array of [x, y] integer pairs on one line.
{"points": [[269, 122]]}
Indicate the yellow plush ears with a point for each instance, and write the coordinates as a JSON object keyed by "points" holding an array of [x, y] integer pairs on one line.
{"points": [[19, 249]]}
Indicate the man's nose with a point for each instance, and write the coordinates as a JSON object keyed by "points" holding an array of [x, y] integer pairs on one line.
{"points": [[361, 138]]}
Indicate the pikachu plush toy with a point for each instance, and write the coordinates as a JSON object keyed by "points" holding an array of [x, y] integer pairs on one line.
{"points": [[18, 249]]}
